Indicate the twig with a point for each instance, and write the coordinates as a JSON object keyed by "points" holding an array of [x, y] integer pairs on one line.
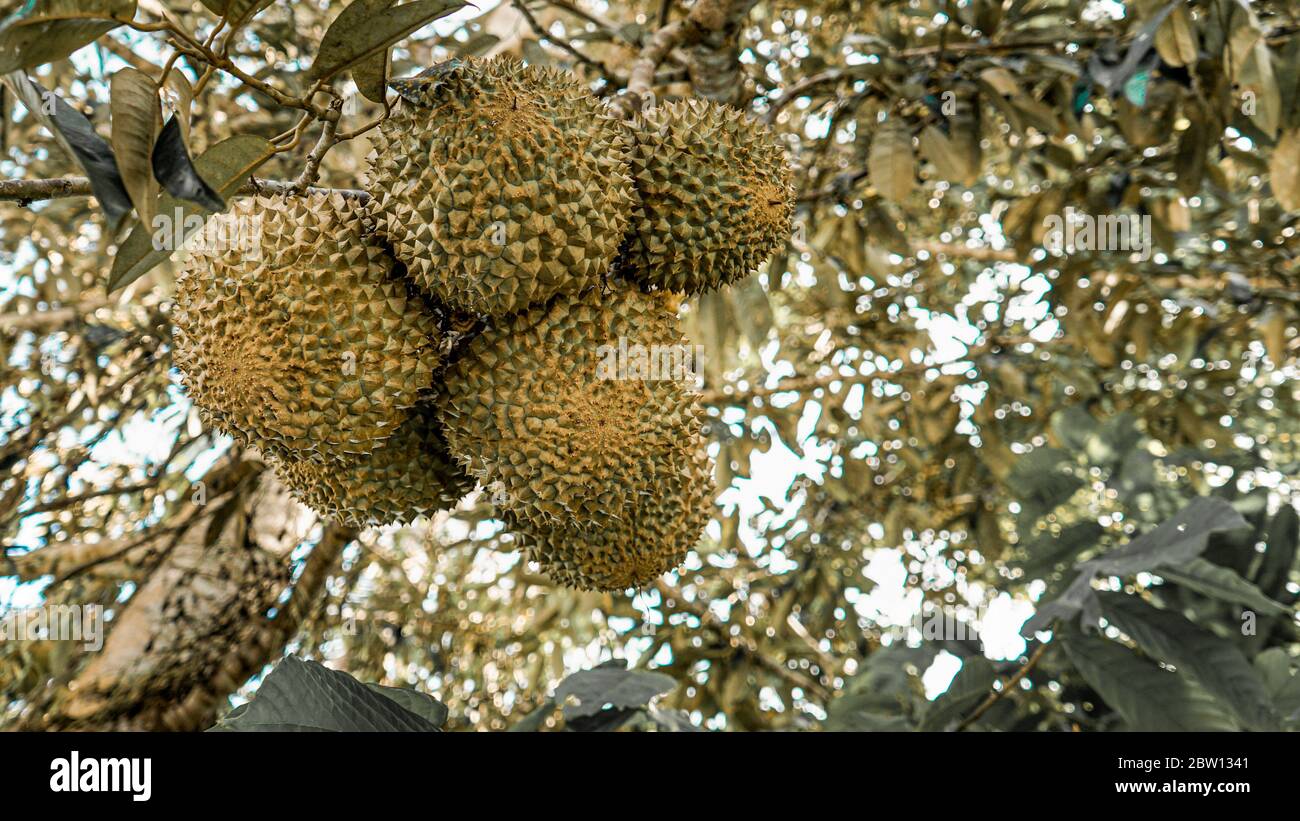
{"points": [[564, 45], [311, 170], [52, 317], [186, 43], [993, 697], [590, 17], [665, 11], [66, 501], [841, 186], [799, 89]]}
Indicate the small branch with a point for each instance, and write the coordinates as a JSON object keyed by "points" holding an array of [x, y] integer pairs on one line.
{"points": [[841, 186], [185, 43], [997, 694], [67, 501], [665, 11], [57, 559], [53, 317], [800, 89], [311, 171], [590, 17], [564, 45]]}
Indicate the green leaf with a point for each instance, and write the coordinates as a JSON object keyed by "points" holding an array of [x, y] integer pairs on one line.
{"points": [[1176, 38], [173, 168], [671, 721], [39, 104], [851, 717], [1215, 663], [225, 166], [367, 27], [1113, 440], [42, 31], [178, 95], [1148, 697], [890, 164], [304, 696], [1283, 685], [752, 310], [371, 74], [1174, 543], [1045, 551], [1041, 482], [1282, 541], [1254, 73], [952, 165], [610, 685], [880, 696], [534, 721], [1193, 148], [1284, 170], [1073, 425], [77, 135], [236, 11], [136, 115], [422, 704], [1219, 582], [973, 682]]}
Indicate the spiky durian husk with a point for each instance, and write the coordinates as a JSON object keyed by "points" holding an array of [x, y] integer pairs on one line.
{"points": [[408, 475], [500, 185], [651, 537], [302, 342], [715, 194], [536, 410]]}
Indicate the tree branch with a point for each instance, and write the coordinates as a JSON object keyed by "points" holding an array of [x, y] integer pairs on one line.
{"points": [[706, 16], [564, 45], [25, 192], [993, 697]]}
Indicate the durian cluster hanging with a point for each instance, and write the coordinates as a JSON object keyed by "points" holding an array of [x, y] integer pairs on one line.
{"points": [[507, 195]]}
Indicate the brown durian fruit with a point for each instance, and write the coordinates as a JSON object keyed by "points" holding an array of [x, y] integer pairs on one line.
{"points": [[650, 537], [500, 185], [715, 197], [539, 409], [294, 334], [410, 474]]}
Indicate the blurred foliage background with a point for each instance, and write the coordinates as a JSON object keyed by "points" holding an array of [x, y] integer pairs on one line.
{"points": [[919, 404]]}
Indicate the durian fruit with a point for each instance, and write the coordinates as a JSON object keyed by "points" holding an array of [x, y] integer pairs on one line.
{"points": [[650, 538], [715, 192], [409, 474], [500, 185], [538, 411], [293, 332]]}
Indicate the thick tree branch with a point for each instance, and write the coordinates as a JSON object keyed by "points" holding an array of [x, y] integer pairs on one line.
{"points": [[25, 192], [706, 17]]}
